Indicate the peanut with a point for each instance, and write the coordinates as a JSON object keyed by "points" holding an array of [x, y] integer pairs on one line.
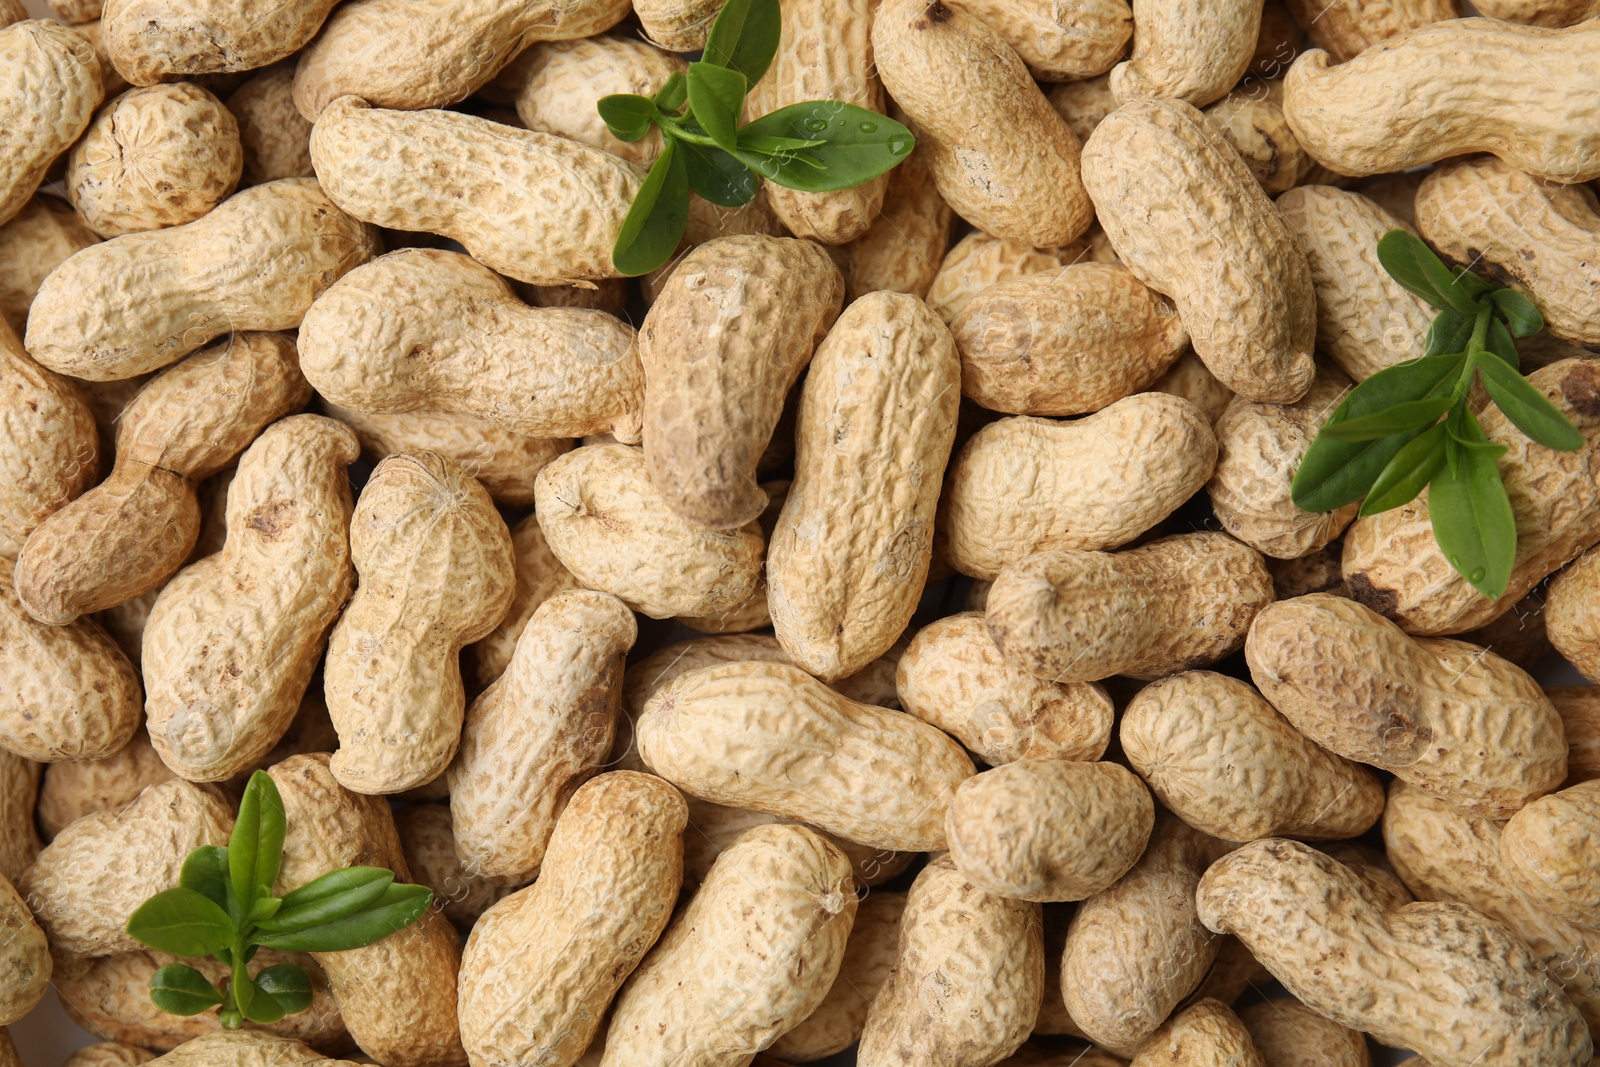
{"points": [[1166, 186], [979, 261], [1175, 603], [1346, 28], [1252, 121], [539, 576], [185, 425], [1060, 42], [1022, 484], [559, 81], [713, 827], [1190, 52], [1400, 105], [753, 612], [1570, 616], [722, 345], [1003, 159], [1540, 12], [94, 32], [42, 234], [753, 954], [275, 138], [1188, 378], [1084, 103], [1579, 707], [429, 843], [1548, 850], [72, 790], [1374, 868], [159, 40], [677, 25], [543, 964], [19, 792], [1518, 635], [877, 777], [50, 86], [25, 964], [231, 645], [12, 11], [1031, 1055], [108, 1054], [538, 733], [244, 1048], [144, 300], [1205, 1032], [900, 251]]}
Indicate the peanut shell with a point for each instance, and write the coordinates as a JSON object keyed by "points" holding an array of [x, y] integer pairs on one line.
{"points": [[50, 84], [1189, 52]]}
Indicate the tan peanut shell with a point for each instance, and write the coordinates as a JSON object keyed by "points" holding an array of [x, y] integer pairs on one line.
{"points": [[1191, 52], [615, 532], [753, 954], [398, 995], [1206, 1032], [542, 965], [1056, 1055], [1001, 156], [543, 209], [244, 1048], [714, 827], [429, 844], [1399, 104], [88, 881], [1215, 752], [70, 693], [129, 534], [870, 775], [51, 452], [144, 300], [50, 85], [1439, 978], [25, 964], [559, 81], [69, 791], [1188, 378], [979, 261], [1444, 853], [901, 250], [38, 237], [1548, 849], [1252, 121], [1175, 603], [1572, 614], [275, 138], [967, 978], [878, 409], [19, 792], [1346, 28], [12, 11], [539, 576], [1060, 42], [869, 955], [1462, 723], [677, 25], [1288, 1034], [954, 677], [1190, 220], [434, 573], [94, 33], [412, 54], [1065, 341], [1519, 635], [1083, 103], [538, 733], [125, 624], [1540, 12], [533, 372], [1259, 448], [233, 638], [1002, 846], [1365, 321], [1021, 484], [721, 346], [1579, 708], [752, 613], [153, 158], [161, 40], [1540, 237], [1393, 565], [108, 1054], [1136, 949]]}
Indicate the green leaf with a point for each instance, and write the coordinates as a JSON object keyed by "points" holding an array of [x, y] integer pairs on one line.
{"points": [[254, 1003], [655, 222], [716, 96], [772, 146], [1518, 312], [1411, 415], [333, 896], [744, 37], [1527, 408], [181, 922], [1408, 473], [1472, 518], [1474, 286], [206, 872], [286, 984], [627, 115], [397, 908], [1412, 263], [179, 989], [1498, 340], [673, 92], [858, 145], [717, 176], [1450, 332], [264, 908], [256, 847]]}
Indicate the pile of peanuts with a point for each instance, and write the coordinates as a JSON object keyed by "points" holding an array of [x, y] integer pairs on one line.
{"points": [[1028, 723]]}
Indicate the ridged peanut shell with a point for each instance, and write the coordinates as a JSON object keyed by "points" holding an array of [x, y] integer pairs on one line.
{"points": [[429, 843], [1252, 121], [19, 793], [25, 964], [559, 81], [1540, 12], [1462, 723], [1190, 379], [1083, 103], [1549, 850], [677, 25], [108, 1054], [50, 85], [1186, 215], [51, 449], [36, 240], [161, 40], [1288, 1034], [275, 138], [1346, 28], [902, 249], [1206, 1032], [1060, 42], [539, 576], [70, 791], [978, 261], [244, 1048], [1579, 708], [1572, 614], [1192, 52]]}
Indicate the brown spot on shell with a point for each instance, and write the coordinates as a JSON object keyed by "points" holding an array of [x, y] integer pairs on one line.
{"points": [[1581, 387], [1363, 592]]}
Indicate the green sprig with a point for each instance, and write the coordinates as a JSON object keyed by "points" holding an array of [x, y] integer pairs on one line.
{"points": [[223, 907], [1409, 427], [815, 146]]}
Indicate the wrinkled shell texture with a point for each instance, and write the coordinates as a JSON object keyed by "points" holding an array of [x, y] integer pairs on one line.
{"points": [[51, 452], [542, 966], [769, 736], [1540, 12], [1205, 1032], [157, 40], [1346, 28], [1215, 752], [19, 838], [1403, 102], [954, 677], [542, 209], [233, 639], [25, 964], [615, 532], [108, 1054], [144, 300], [429, 844], [902, 249], [978, 261], [1549, 848], [869, 955], [275, 138], [70, 791], [1289, 1034], [1021, 484], [1192, 52], [244, 1048], [1060, 42], [50, 84], [538, 733], [1189, 219], [1175, 603], [35, 241], [1438, 978], [677, 25], [929, 55], [877, 419], [1255, 126], [1579, 708], [1065, 341], [1572, 614], [754, 953], [723, 343], [563, 79], [1393, 565], [1540, 237], [539, 576], [434, 566]]}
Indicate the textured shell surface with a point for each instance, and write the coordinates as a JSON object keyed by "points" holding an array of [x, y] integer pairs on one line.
{"points": [[50, 85], [979, 260], [159, 40], [1207, 1031], [559, 82], [275, 138], [38, 237], [1060, 42], [539, 576], [1346, 28], [1193, 52]]}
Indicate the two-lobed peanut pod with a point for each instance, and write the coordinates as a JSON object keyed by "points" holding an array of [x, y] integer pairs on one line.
{"points": [[159, 40], [53, 450], [1206, 1031], [1548, 848], [1193, 52], [50, 85]]}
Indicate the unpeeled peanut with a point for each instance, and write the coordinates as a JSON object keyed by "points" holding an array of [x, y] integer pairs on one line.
{"points": [[1579, 708], [1289, 1034], [275, 138], [902, 249], [50, 85], [539, 576], [978, 261], [869, 955], [1346, 28], [1570, 614], [554, 85], [1548, 848], [39, 236], [1190, 52], [429, 843], [52, 451], [1060, 42], [25, 964], [19, 797], [159, 40]]}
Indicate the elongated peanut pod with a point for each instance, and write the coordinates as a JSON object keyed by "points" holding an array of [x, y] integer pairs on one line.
{"points": [[51, 453], [1547, 848], [159, 40], [1193, 52], [1346, 28], [50, 84]]}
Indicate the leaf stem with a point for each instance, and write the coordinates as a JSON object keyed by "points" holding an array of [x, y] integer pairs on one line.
{"points": [[683, 133], [1475, 345]]}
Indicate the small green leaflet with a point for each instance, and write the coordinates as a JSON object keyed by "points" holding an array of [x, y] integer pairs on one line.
{"points": [[716, 96], [1527, 408], [181, 922], [1408, 473], [253, 1003], [333, 896], [396, 908], [178, 989], [256, 845], [627, 115], [744, 37], [206, 872], [655, 222], [1518, 311], [718, 177], [1412, 263], [674, 92], [857, 145], [1471, 514], [288, 985]]}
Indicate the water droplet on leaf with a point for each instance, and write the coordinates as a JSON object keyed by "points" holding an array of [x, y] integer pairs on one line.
{"points": [[1477, 575], [901, 143], [869, 127], [816, 125]]}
